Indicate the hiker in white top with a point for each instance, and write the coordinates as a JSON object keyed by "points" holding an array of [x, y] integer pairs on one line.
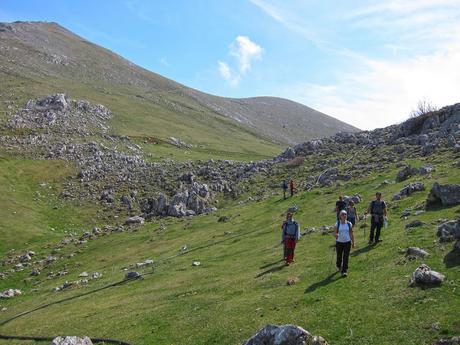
{"points": [[344, 241]]}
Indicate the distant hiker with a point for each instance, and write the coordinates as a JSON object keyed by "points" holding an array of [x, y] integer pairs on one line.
{"points": [[344, 241], [378, 210], [352, 214], [290, 234], [284, 185], [291, 187], [339, 206]]}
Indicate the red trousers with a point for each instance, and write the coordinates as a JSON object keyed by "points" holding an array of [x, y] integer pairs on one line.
{"points": [[289, 247]]}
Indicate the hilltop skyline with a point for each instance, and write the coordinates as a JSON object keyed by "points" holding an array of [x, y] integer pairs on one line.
{"points": [[367, 64]]}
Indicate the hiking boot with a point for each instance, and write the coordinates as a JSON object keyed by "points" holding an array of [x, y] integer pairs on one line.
{"points": [[378, 241], [344, 274], [370, 242], [287, 264]]}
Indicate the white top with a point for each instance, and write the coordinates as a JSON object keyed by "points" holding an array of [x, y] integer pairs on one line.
{"points": [[344, 232]]}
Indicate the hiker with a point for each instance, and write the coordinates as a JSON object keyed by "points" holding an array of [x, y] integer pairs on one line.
{"points": [[352, 214], [344, 241], [378, 210], [291, 187], [290, 234], [339, 206], [285, 187]]}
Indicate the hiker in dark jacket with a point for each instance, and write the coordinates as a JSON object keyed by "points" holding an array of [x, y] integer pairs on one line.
{"points": [[378, 210], [339, 206], [290, 234], [344, 241], [285, 187], [352, 213]]}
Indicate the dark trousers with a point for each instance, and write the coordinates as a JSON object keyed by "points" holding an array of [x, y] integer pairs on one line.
{"points": [[343, 253], [292, 191], [284, 193], [376, 224]]}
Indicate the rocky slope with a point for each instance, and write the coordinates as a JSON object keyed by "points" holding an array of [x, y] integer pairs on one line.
{"points": [[40, 50]]}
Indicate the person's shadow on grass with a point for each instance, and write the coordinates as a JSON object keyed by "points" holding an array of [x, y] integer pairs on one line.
{"points": [[363, 250], [271, 270], [271, 264], [326, 281]]}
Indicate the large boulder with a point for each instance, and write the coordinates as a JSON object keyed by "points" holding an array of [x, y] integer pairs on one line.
{"points": [[449, 231], [284, 335], [71, 341], [423, 276], [443, 195]]}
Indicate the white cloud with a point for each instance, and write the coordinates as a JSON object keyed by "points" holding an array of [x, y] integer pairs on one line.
{"points": [[245, 52], [226, 73], [392, 54], [384, 93]]}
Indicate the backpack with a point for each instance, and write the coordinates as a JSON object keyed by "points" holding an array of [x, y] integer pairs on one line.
{"points": [[377, 209], [349, 225]]}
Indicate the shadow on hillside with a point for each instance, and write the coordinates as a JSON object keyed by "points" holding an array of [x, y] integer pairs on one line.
{"points": [[271, 270], [452, 258], [328, 280], [271, 264], [363, 250]]}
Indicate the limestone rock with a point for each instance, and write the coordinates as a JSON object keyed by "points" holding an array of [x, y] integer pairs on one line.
{"points": [[284, 335], [449, 231], [135, 220], [443, 195], [449, 341], [415, 251], [72, 340], [423, 276], [414, 224]]}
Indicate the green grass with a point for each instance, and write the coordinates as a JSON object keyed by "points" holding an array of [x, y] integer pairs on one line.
{"points": [[241, 284], [213, 136]]}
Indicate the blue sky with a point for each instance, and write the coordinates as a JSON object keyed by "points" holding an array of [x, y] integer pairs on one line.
{"points": [[367, 63]]}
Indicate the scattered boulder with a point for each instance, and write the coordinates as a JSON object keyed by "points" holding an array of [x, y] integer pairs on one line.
{"points": [[415, 251], [412, 188], [10, 293], [443, 195], [284, 335], [135, 220], [449, 341], [449, 231], [423, 276], [414, 224], [72, 340], [132, 275]]}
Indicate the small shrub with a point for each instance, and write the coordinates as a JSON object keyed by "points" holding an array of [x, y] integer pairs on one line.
{"points": [[296, 162], [424, 106]]}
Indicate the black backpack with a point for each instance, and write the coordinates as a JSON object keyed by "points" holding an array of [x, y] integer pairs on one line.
{"points": [[349, 225]]}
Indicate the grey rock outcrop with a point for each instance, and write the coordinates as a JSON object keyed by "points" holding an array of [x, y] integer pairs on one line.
{"points": [[415, 224], [449, 231], [409, 189], [448, 341], [423, 276], [415, 251], [443, 195], [284, 335], [72, 340]]}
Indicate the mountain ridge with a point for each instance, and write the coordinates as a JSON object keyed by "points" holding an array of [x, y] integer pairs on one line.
{"points": [[42, 49]]}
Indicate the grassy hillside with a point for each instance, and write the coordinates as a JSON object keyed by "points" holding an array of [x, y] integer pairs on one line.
{"points": [[241, 283], [38, 59]]}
